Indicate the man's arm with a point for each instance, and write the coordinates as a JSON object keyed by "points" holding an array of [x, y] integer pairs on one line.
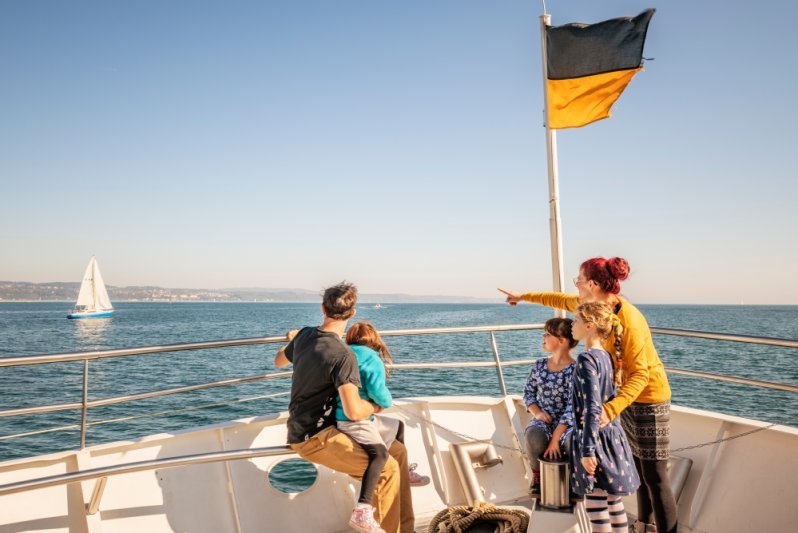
{"points": [[355, 408], [280, 359]]}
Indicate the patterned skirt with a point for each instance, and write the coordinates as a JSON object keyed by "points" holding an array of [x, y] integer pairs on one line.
{"points": [[648, 430]]}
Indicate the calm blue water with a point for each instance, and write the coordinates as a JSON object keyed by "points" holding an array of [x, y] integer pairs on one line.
{"points": [[35, 328]]}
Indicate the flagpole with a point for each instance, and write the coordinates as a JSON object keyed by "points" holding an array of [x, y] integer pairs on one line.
{"points": [[555, 226]]}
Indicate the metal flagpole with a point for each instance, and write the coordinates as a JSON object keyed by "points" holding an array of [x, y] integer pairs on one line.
{"points": [[555, 227]]}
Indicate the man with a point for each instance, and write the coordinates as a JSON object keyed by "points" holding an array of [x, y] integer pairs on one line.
{"points": [[325, 368]]}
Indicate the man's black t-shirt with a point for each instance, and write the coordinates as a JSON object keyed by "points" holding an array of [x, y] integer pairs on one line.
{"points": [[322, 363]]}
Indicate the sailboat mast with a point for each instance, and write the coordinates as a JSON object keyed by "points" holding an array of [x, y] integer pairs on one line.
{"points": [[555, 226], [93, 281]]}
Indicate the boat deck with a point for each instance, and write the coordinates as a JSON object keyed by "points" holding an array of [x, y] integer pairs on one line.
{"points": [[237, 495]]}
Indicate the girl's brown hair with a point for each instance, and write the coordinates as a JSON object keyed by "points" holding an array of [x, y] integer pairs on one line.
{"points": [[600, 314], [561, 328], [364, 333]]}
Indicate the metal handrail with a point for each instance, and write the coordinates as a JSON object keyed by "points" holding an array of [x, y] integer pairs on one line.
{"points": [[672, 370], [140, 466], [141, 396], [770, 341], [497, 363], [402, 366], [733, 379], [23, 360]]}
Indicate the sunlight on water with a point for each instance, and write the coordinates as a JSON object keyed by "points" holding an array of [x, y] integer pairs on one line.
{"points": [[90, 333]]}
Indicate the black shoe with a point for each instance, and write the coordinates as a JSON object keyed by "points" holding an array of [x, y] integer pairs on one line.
{"points": [[534, 490]]}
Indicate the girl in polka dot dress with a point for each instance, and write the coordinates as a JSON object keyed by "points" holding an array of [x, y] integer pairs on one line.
{"points": [[602, 468]]}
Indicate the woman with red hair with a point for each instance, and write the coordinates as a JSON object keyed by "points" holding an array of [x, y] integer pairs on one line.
{"points": [[643, 399]]}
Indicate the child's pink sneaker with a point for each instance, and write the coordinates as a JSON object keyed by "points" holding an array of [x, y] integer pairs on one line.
{"points": [[362, 520], [416, 479]]}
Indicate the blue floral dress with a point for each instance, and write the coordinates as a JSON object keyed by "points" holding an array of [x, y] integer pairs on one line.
{"points": [[551, 392], [593, 387]]}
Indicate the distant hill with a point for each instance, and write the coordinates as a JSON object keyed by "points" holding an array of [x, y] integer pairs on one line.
{"points": [[60, 291]]}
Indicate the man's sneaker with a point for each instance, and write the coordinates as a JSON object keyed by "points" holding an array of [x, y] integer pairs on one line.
{"points": [[416, 479], [534, 490], [362, 520]]}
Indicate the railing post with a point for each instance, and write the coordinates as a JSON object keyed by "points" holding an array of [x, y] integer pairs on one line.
{"points": [[499, 373], [85, 403], [97, 494]]}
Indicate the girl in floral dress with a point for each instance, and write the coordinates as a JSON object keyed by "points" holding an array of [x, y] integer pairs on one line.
{"points": [[547, 397], [602, 467]]}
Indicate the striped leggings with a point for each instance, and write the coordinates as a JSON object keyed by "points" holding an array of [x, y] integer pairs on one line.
{"points": [[606, 513]]}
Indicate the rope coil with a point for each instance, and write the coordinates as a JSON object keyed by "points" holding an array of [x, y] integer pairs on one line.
{"points": [[459, 519]]}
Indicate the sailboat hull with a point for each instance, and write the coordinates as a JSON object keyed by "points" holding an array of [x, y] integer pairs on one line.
{"points": [[91, 314]]}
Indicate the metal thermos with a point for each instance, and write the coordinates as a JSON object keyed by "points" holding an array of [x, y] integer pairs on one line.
{"points": [[554, 484]]}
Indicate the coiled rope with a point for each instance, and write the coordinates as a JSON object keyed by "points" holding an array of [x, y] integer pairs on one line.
{"points": [[458, 519]]}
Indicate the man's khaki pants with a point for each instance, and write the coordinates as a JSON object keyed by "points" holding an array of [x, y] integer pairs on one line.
{"points": [[393, 504]]}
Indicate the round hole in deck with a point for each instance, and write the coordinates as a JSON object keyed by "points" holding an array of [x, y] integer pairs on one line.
{"points": [[293, 475]]}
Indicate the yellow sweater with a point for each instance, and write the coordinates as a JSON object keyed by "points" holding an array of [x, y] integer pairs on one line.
{"points": [[643, 372]]}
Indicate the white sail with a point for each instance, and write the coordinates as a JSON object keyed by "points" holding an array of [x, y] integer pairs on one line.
{"points": [[93, 296], [102, 301], [86, 294]]}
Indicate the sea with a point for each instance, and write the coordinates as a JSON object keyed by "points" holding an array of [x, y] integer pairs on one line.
{"points": [[42, 327]]}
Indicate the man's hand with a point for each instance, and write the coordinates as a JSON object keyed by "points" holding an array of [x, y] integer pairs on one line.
{"points": [[280, 360], [354, 407]]}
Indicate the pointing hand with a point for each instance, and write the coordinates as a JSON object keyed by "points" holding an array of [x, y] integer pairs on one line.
{"points": [[512, 298]]}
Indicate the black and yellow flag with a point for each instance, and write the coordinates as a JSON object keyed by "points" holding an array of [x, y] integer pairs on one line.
{"points": [[590, 65]]}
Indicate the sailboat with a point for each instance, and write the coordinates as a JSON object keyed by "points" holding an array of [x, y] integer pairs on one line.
{"points": [[93, 301]]}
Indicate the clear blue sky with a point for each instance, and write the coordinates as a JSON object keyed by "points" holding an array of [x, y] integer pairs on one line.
{"points": [[395, 144]]}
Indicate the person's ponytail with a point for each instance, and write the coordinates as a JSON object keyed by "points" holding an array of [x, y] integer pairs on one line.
{"points": [[618, 355]]}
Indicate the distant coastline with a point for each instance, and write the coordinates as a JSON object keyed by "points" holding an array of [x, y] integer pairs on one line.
{"points": [[20, 291], [67, 292]]}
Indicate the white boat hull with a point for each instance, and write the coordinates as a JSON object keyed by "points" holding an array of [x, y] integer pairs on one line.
{"points": [[106, 313], [740, 485]]}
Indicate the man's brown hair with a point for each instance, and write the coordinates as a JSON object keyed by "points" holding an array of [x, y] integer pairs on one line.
{"points": [[339, 301]]}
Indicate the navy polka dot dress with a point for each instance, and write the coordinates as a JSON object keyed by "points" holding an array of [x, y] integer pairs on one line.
{"points": [[593, 386], [551, 392]]}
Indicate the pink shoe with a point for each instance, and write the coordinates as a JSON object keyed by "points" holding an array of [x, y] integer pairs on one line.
{"points": [[362, 520], [416, 479]]}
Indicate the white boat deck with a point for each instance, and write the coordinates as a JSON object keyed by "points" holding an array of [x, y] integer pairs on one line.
{"points": [[726, 483]]}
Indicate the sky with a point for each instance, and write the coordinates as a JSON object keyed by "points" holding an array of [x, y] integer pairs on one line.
{"points": [[398, 145]]}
